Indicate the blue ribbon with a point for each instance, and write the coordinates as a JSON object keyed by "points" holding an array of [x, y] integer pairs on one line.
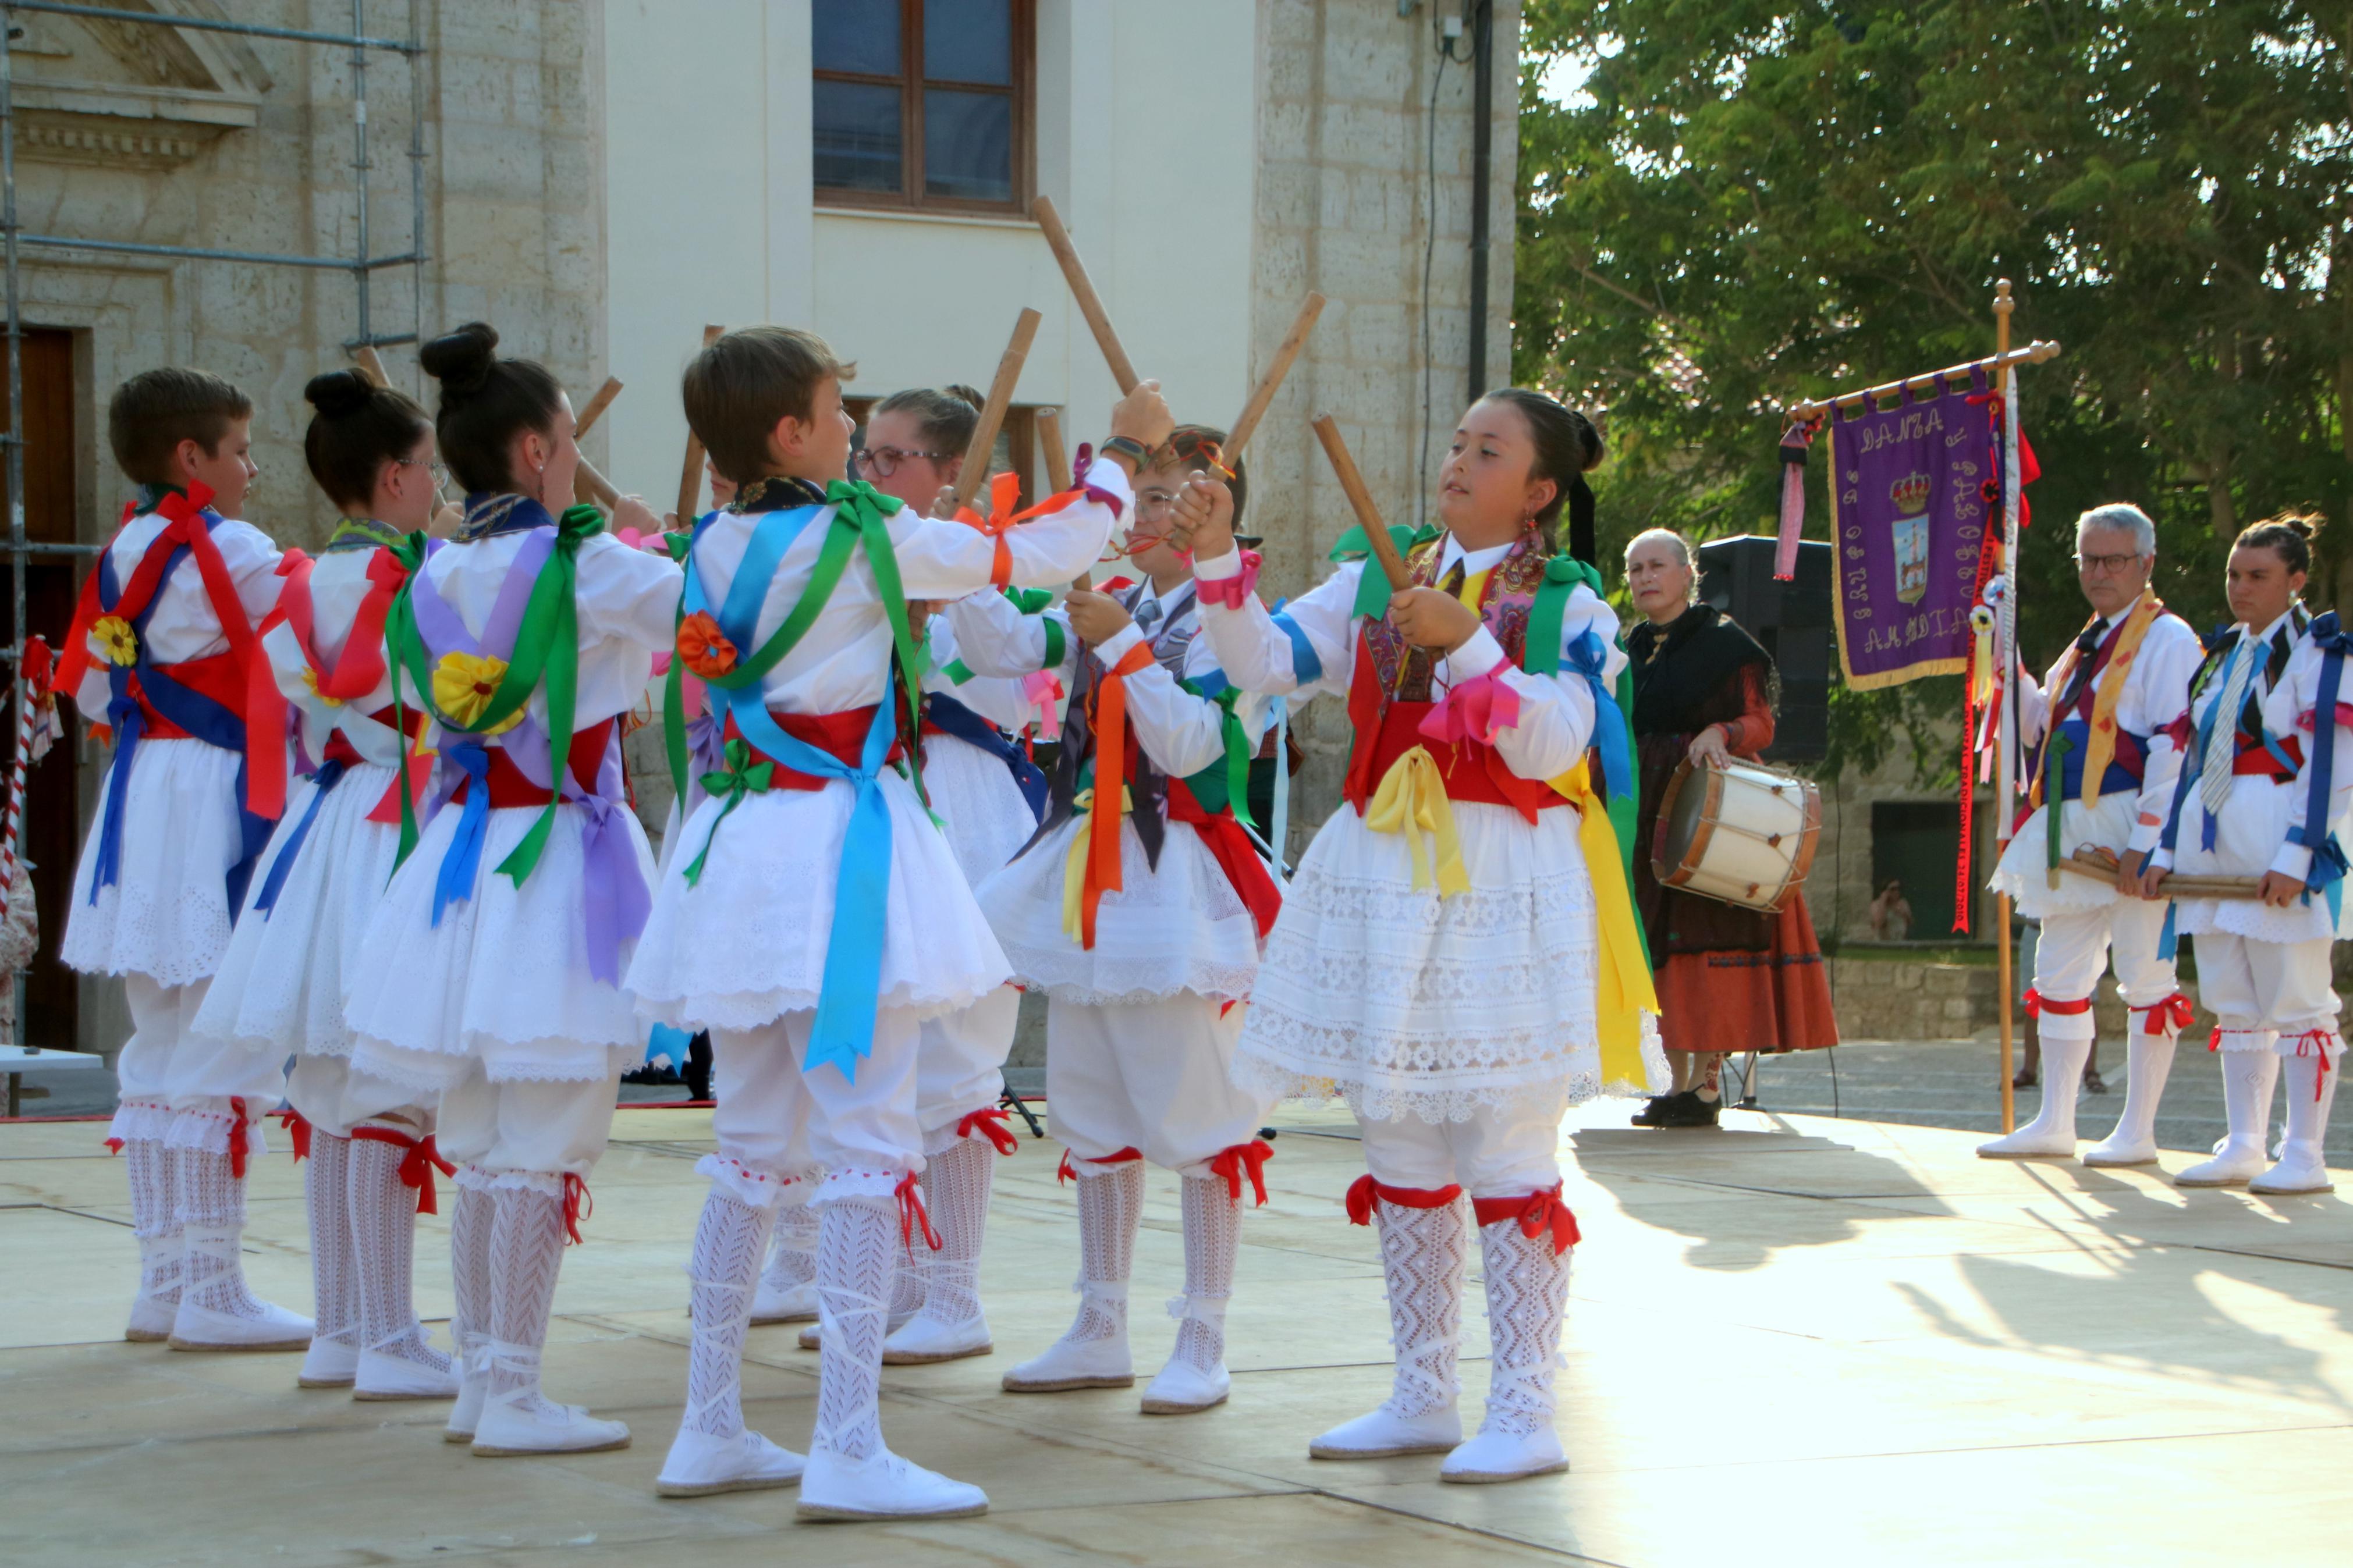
{"points": [[462, 863], [323, 784], [951, 718], [2194, 764], [2328, 861], [1306, 669], [1587, 658]]}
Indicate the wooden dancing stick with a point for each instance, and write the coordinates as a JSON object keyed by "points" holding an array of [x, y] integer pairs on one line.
{"points": [[371, 364], [594, 409], [587, 484], [1082, 289], [690, 478], [2091, 861], [992, 413], [1352, 485], [1058, 457], [1237, 434]]}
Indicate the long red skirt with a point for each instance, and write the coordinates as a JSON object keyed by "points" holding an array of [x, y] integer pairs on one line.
{"points": [[1774, 1000]]}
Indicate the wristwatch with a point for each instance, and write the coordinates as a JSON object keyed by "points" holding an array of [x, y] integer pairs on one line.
{"points": [[1134, 450]]}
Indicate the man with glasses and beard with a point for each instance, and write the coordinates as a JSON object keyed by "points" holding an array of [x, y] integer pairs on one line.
{"points": [[2100, 748]]}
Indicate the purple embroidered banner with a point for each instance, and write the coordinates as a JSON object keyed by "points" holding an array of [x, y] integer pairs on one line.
{"points": [[1908, 515]]}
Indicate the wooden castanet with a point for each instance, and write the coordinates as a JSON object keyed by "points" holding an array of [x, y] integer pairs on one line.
{"points": [[992, 413], [1245, 424], [690, 478], [1082, 289], [1352, 485]]}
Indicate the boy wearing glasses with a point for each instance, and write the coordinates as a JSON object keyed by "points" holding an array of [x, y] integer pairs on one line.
{"points": [[2104, 749]]}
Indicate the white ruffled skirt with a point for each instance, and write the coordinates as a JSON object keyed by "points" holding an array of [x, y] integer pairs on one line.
{"points": [[748, 944], [987, 816], [2248, 832], [503, 979], [280, 985], [1181, 928], [1406, 1006], [2020, 874], [168, 914]]}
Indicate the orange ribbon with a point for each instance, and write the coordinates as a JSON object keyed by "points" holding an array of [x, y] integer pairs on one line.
{"points": [[1244, 1159], [1004, 489], [1107, 717]]}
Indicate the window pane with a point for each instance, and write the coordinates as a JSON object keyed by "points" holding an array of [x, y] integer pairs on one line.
{"points": [[857, 136], [968, 145], [857, 36], [969, 40]]}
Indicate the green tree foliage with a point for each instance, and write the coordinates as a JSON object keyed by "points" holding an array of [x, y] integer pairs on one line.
{"points": [[1748, 203]]}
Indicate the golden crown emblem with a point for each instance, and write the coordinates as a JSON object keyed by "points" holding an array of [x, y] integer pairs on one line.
{"points": [[1910, 493]]}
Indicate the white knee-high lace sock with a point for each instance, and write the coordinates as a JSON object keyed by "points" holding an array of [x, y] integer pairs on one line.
{"points": [[1425, 1255], [212, 1212], [856, 1236], [383, 1210], [526, 1252], [724, 1272], [794, 1259], [2311, 1092], [1111, 1205], [956, 1184], [1527, 1297], [325, 1183], [155, 1218], [472, 1218], [1213, 1234]]}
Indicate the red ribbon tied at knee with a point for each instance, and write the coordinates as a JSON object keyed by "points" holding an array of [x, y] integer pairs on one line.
{"points": [[2319, 1040], [239, 1146], [1244, 1160], [1364, 1190], [989, 1123], [2167, 1017], [2038, 1003], [1066, 1171], [421, 1159], [1537, 1212], [298, 1129], [577, 1206], [912, 1216]]}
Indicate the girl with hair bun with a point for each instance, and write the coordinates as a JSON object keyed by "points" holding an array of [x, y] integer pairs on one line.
{"points": [[2264, 797], [300, 938], [500, 945], [1456, 956]]}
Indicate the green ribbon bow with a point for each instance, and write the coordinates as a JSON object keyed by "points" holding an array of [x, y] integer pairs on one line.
{"points": [[740, 777], [546, 648]]}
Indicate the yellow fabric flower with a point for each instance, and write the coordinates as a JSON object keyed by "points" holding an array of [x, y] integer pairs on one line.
{"points": [[115, 639], [311, 679], [463, 684]]}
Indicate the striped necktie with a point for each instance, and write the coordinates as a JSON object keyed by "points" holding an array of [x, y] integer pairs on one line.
{"points": [[2221, 740]]}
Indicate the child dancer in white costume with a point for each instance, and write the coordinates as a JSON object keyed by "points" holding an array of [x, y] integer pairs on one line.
{"points": [[499, 946], [812, 916], [1141, 923], [2265, 743], [280, 986], [1441, 951], [2111, 761], [163, 653]]}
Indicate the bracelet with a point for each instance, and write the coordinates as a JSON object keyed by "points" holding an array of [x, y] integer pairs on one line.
{"points": [[1128, 446]]}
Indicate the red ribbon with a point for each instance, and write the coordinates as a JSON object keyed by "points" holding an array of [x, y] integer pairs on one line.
{"points": [[417, 1165], [237, 1145], [2318, 1039], [1364, 1190], [990, 1124], [2174, 1011], [914, 1215], [577, 1204], [114, 1145], [298, 1129], [1537, 1212], [1230, 592], [1065, 1171], [2038, 1003], [1244, 1160]]}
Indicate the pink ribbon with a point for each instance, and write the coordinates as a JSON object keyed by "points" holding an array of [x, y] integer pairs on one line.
{"points": [[1043, 690], [1474, 711], [1230, 592]]}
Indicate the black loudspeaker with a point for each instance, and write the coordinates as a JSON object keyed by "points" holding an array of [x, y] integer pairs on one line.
{"points": [[1793, 620]]}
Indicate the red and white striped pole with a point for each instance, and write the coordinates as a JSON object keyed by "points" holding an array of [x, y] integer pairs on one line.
{"points": [[32, 685]]}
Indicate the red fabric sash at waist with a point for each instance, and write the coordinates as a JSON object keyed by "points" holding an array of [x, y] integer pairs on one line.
{"points": [[1471, 770], [1235, 854], [341, 750], [219, 676], [840, 735], [511, 786], [2254, 757]]}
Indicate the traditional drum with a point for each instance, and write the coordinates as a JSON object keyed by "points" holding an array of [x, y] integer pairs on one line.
{"points": [[1742, 833]]}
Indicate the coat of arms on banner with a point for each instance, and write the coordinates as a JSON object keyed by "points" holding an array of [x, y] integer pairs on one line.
{"points": [[1908, 514]]}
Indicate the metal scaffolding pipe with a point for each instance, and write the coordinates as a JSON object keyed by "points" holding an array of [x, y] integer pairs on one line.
{"points": [[194, 253], [204, 25]]}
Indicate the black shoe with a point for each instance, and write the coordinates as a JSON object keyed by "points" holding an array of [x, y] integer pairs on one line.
{"points": [[1653, 1110], [1688, 1109]]}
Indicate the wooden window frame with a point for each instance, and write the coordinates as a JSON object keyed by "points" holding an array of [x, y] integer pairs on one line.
{"points": [[910, 83]]}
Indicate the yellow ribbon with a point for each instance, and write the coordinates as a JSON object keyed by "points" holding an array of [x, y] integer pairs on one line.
{"points": [[1411, 800], [1624, 991], [1074, 866], [2100, 747], [463, 684]]}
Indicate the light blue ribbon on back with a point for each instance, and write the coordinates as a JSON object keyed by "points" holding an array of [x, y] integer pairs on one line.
{"points": [[843, 1033], [1587, 658]]}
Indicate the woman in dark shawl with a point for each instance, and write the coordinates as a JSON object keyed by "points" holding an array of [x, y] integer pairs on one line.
{"points": [[1729, 979]]}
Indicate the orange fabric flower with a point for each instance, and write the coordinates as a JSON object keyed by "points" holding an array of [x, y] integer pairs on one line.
{"points": [[703, 647]]}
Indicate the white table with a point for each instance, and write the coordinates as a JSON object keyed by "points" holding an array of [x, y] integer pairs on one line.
{"points": [[19, 1060]]}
